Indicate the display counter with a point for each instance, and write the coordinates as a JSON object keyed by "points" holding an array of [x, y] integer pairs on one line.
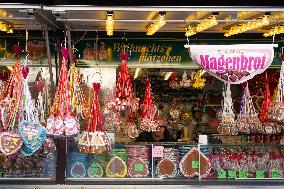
{"points": [[173, 163]]}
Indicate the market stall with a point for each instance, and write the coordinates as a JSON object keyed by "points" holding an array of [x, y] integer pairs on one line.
{"points": [[173, 95]]}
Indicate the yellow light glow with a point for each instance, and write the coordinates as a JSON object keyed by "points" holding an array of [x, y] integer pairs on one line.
{"points": [[276, 30], [136, 73], [109, 24], [156, 25], [168, 75], [247, 26], [202, 26]]}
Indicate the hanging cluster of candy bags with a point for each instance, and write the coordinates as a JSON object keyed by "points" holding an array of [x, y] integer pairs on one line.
{"points": [[148, 120], [10, 103], [32, 133], [270, 127], [61, 121], [228, 125], [124, 101], [94, 139], [248, 121], [276, 110]]}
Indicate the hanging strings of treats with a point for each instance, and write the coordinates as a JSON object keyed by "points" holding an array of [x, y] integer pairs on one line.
{"points": [[248, 121], [148, 118], [61, 121], [269, 126], [78, 97], [174, 83], [276, 110], [32, 133], [10, 103], [228, 124], [124, 96], [94, 139]]}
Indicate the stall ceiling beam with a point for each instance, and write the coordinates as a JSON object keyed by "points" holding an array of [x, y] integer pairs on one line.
{"points": [[19, 6], [61, 8], [46, 18], [17, 18], [172, 21]]}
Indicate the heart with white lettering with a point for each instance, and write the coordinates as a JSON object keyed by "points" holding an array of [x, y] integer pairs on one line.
{"points": [[10, 143], [32, 134]]}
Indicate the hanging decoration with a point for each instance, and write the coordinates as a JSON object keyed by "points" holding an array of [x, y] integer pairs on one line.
{"points": [[233, 64], [269, 126], [228, 124], [123, 100], [248, 121], [185, 82], [148, 117], [10, 103], [276, 110], [61, 121], [175, 112], [31, 131], [198, 81], [94, 139], [78, 97], [174, 83]]}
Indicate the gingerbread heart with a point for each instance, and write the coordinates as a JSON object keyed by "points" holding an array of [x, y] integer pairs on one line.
{"points": [[95, 170], [10, 143], [78, 170], [166, 168], [137, 168], [32, 134], [25, 72], [190, 163], [116, 167]]}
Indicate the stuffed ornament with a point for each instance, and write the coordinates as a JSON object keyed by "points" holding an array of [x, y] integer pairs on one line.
{"points": [[94, 139]]}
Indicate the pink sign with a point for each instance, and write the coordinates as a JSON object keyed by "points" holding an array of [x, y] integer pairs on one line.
{"points": [[233, 64], [158, 151]]}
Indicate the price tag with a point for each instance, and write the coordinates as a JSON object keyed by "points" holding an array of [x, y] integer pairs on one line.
{"points": [[158, 151], [259, 174], [276, 173], [243, 174], [222, 174], [232, 174], [138, 167], [195, 164]]}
